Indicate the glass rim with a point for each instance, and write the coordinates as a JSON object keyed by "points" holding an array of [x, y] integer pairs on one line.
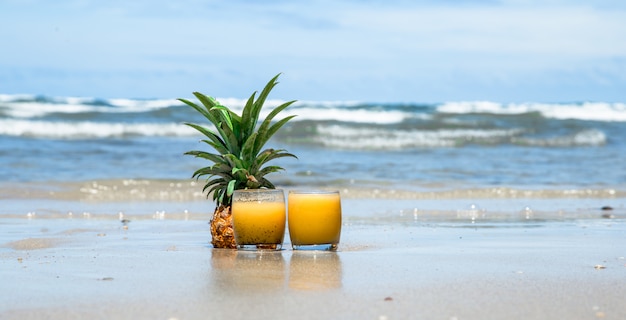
{"points": [[314, 191], [258, 190]]}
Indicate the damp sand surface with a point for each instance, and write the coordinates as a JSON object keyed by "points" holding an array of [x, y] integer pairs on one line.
{"points": [[435, 258]]}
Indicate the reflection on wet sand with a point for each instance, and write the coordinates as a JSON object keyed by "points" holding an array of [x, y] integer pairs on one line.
{"points": [[263, 271], [315, 270], [251, 271]]}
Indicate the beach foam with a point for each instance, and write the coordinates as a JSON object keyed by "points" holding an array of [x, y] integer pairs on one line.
{"points": [[365, 138], [91, 129], [594, 111]]}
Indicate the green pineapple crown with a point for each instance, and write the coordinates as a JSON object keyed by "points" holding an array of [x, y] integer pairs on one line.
{"points": [[240, 158]]}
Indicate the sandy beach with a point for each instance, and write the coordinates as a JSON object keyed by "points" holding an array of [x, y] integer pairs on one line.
{"points": [[432, 258], [477, 146]]}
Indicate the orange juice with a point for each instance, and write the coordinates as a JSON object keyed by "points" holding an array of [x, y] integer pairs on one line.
{"points": [[259, 222], [314, 218]]}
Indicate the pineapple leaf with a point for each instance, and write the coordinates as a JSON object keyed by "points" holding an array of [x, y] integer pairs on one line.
{"points": [[248, 153], [269, 169], [240, 170], [219, 147], [209, 134], [233, 161], [216, 142], [267, 184], [276, 126], [216, 190], [267, 133], [269, 154], [238, 161], [208, 102], [277, 110], [253, 108], [202, 172], [226, 117], [232, 143], [231, 187], [206, 155], [213, 171], [214, 113], [266, 91], [249, 116], [204, 112]]}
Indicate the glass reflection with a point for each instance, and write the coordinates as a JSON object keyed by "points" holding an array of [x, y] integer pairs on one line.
{"points": [[315, 270], [235, 270]]}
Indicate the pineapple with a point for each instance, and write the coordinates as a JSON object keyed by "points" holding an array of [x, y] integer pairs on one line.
{"points": [[239, 160]]}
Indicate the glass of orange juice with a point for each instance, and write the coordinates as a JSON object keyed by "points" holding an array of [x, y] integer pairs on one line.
{"points": [[259, 219], [314, 219]]}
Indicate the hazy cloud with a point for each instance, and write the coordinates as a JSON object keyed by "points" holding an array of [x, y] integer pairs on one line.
{"points": [[364, 50]]}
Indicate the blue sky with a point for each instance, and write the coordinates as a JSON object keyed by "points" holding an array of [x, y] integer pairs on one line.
{"points": [[379, 51]]}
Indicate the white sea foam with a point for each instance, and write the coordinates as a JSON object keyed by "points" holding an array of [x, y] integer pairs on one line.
{"points": [[130, 105], [323, 111], [347, 115], [237, 104], [594, 111], [35, 109], [15, 97], [590, 137], [88, 129], [30, 108], [336, 136]]}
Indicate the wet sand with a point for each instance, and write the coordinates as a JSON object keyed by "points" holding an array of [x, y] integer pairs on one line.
{"points": [[398, 259]]}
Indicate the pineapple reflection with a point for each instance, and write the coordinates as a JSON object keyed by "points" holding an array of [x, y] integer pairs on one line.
{"points": [[248, 271], [315, 270]]}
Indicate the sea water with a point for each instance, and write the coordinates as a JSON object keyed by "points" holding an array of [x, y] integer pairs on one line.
{"points": [[133, 149], [414, 145]]}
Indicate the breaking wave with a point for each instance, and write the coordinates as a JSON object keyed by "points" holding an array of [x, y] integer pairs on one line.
{"points": [[333, 124], [592, 111]]}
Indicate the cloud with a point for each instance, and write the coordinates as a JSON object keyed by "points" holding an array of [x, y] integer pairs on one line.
{"points": [[382, 50]]}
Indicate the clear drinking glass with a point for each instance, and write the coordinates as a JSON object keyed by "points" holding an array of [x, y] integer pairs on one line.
{"points": [[259, 219], [314, 219]]}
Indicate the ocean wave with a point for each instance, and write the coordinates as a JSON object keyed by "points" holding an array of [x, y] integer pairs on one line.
{"points": [[338, 136], [342, 137], [91, 130], [590, 137], [347, 115], [593, 111], [32, 106], [24, 106], [65, 108], [333, 124]]}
